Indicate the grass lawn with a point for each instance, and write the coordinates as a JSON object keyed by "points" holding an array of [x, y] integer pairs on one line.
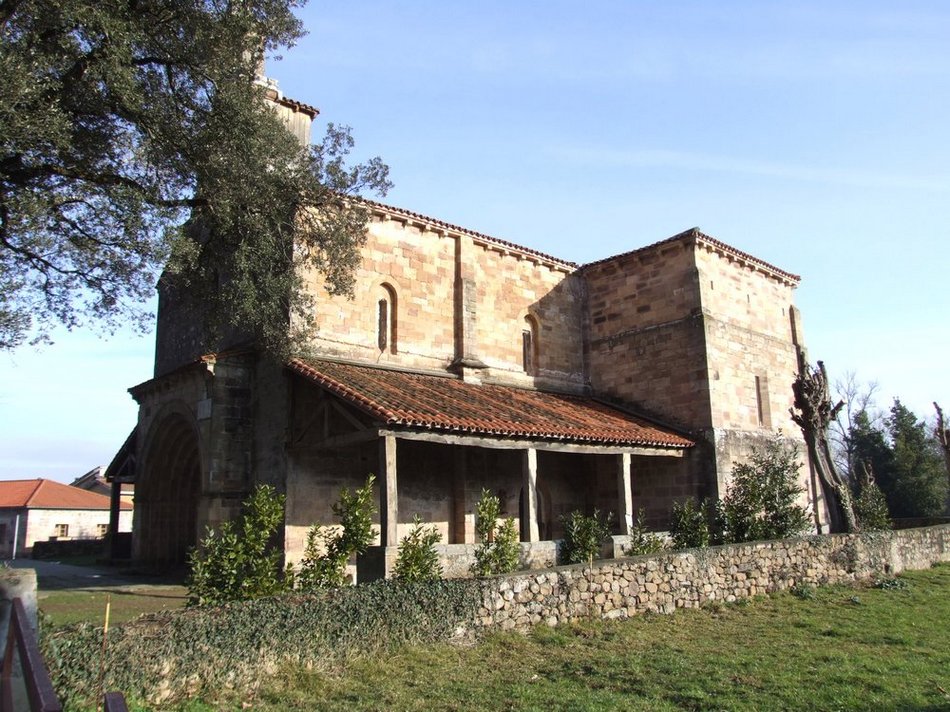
{"points": [[127, 602], [836, 649]]}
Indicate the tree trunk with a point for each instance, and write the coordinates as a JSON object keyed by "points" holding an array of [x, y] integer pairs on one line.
{"points": [[943, 437], [813, 413]]}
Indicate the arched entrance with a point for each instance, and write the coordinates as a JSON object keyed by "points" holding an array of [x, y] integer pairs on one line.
{"points": [[167, 492]]}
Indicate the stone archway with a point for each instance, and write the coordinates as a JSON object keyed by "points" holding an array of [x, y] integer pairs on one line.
{"points": [[167, 492]]}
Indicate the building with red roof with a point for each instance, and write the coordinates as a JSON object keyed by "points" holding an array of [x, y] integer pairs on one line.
{"points": [[42, 510]]}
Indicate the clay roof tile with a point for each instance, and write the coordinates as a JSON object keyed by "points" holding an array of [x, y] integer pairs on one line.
{"points": [[445, 403]]}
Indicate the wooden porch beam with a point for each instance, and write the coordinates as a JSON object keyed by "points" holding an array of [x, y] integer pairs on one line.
{"points": [[519, 444]]}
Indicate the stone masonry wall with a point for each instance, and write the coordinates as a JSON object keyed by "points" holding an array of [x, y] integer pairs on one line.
{"points": [[621, 588], [419, 266], [454, 297], [647, 342], [509, 289]]}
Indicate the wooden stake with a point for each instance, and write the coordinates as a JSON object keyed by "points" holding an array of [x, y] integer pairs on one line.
{"points": [[102, 655]]}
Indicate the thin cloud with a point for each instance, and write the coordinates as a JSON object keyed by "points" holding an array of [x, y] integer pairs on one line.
{"points": [[687, 161]]}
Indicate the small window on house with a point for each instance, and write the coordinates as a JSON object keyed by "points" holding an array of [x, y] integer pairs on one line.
{"points": [[529, 346], [61, 531], [386, 320], [102, 530]]}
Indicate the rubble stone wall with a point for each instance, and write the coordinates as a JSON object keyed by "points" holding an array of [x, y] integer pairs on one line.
{"points": [[621, 588]]}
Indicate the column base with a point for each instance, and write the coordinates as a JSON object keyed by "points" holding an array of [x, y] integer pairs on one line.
{"points": [[377, 563]]}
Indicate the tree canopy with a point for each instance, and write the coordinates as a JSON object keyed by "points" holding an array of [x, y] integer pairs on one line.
{"points": [[902, 456], [133, 133]]}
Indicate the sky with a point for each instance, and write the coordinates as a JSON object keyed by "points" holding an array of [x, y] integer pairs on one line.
{"points": [[813, 135]]}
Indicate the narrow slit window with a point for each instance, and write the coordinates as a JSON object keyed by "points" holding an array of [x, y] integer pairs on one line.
{"points": [[527, 351], [382, 329], [762, 401], [529, 346]]}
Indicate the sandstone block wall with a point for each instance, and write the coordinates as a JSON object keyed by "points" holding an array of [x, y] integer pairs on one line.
{"points": [[622, 588], [455, 297], [647, 344], [511, 287], [419, 266]]}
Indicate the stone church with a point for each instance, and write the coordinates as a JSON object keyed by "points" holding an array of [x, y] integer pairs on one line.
{"points": [[465, 363]]}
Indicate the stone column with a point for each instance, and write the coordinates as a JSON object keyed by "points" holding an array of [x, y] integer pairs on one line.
{"points": [[388, 496], [529, 469], [625, 493]]}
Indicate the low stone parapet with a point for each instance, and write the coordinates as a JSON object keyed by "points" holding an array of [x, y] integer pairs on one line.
{"points": [[662, 583], [456, 559]]}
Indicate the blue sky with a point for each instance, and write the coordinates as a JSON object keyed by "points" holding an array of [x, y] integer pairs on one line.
{"points": [[813, 135]]}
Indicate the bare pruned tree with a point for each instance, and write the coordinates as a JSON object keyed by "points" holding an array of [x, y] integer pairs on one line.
{"points": [[858, 397], [814, 413]]}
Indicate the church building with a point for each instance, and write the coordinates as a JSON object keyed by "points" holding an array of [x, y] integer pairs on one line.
{"points": [[465, 362]]}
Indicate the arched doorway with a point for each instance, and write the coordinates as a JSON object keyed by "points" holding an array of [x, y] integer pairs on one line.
{"points": [[167, 492]]}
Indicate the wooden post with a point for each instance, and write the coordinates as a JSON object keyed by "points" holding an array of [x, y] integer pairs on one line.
{"points": [[388, 496], [530, 484], [115, 502], [625, 492], [462, 529]]}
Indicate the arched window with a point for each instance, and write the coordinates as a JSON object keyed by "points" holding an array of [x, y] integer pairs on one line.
{"points": [[529, 345], [386, 319]]}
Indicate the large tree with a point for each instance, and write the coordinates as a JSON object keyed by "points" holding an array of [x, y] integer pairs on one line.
{"points": [[120, 120], [915, 485], [905, 460]]}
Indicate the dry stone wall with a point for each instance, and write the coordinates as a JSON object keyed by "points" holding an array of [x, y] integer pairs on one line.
{"points": [[621, 588]]}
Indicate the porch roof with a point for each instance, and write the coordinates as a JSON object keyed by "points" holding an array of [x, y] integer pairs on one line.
{"points": [[448, 404]]}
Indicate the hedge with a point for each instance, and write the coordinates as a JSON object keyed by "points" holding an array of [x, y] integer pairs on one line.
{"points": [[170, 656]]}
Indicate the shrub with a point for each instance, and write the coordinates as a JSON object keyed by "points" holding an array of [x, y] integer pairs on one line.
{"points": [[642, 541], [418, 560], [241, 560], [760, 502], [870, 506], [803, 591], [689, 525], [497, 550], [329, 549], [584, 535]]}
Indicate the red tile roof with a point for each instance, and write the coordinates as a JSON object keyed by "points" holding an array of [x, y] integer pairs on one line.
{"points": [[432, 402], [46, 494]]}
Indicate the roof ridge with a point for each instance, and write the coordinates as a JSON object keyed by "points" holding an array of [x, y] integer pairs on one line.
{"points": [[468, 231], [39, 483], [697, 234]]}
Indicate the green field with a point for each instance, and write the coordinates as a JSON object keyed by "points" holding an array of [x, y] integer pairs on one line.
{"points": [[828, 649], [126, 603]]}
